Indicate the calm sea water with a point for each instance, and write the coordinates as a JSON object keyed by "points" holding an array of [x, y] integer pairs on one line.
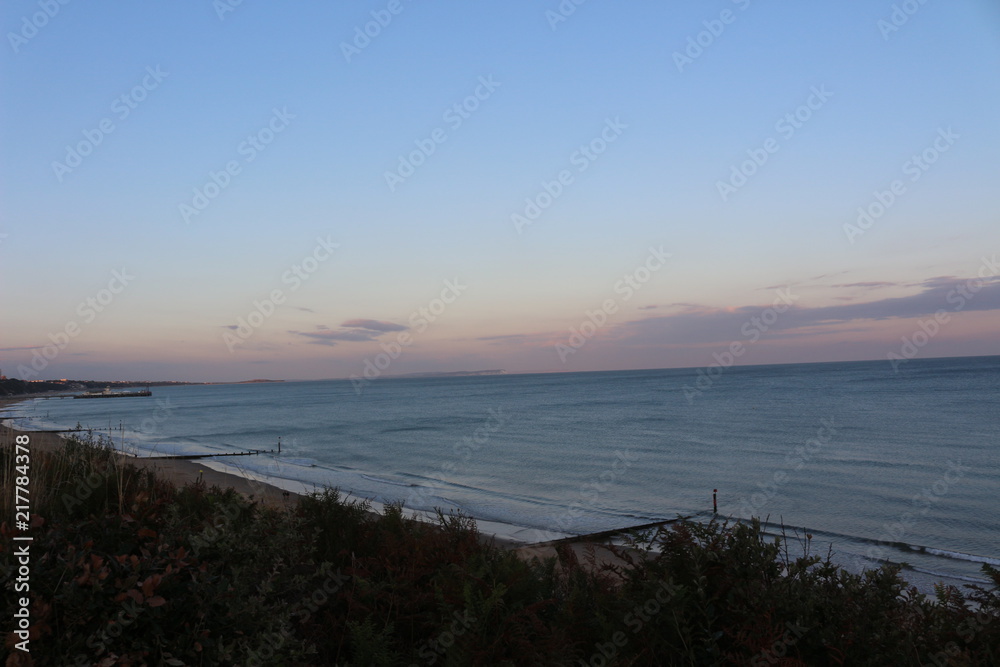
{"points": [[899, 466]]}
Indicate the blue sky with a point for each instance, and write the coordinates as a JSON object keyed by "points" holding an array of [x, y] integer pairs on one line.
{"points": [[202, 86]]}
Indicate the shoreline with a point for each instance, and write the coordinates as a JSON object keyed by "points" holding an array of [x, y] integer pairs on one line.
{"points": [[283, 492], [177, 472], [180, 472]]}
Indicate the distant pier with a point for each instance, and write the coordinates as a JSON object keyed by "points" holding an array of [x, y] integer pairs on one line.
{"points": [[107, 393]]}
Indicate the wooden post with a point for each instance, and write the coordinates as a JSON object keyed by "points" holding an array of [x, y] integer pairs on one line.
{"points": [[715, 503]]}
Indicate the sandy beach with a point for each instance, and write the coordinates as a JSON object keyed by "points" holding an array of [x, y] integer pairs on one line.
{"points": [[180, 472]]}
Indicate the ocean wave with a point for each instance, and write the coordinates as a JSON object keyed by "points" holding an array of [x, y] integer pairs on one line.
{"points": [[949, 575], [372, 478], [302, 463], [401, 429], [958, 555], [900, 546]]}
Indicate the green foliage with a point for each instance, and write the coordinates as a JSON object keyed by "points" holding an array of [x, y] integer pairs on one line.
{"points": [[137, 572]]}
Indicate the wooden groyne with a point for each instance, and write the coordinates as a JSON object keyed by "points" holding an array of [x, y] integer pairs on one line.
{"points": [[60, 430], [604, 534], [251, 452]]}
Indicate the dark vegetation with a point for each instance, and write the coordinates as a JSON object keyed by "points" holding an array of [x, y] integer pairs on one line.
{"points": [[127, 570], [15, 387]]}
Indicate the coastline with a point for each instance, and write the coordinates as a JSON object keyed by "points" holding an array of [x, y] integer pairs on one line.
{"points": [[177, 471], [281, 492], [180, 472]]}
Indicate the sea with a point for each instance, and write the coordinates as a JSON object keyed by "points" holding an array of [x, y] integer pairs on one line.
{"points": [[875, 463]]}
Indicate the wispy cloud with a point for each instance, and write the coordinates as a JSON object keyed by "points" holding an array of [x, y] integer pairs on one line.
{"points": [[330, 337], [689, 324], [351, 331], [373, 325], [702, 324], [532, 338], [869, 285]]}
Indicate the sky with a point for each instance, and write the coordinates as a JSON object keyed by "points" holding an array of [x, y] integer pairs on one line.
{"points": [[221, 191]]}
